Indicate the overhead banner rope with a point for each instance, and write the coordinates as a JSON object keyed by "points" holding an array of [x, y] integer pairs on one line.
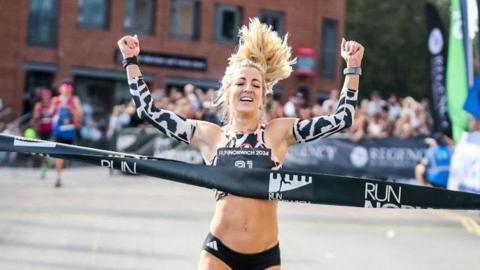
{"points": [[263, 184]]}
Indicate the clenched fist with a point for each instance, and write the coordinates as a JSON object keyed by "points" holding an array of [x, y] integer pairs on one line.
{"points": [[129, 46], [352, 52]]}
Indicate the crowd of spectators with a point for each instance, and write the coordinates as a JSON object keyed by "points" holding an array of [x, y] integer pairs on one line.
{"points": [[190, 102], [375, 117]]}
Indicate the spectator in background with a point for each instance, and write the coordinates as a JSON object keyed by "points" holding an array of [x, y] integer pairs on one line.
{"points": [[376, 126], [380, 127], [119, 119], [203, 96], [357, 131], [87, 110], [289, 109], [209, 114], [67, 118], [41, 116], [210, 95], [91, 132], [184, 108], [305, 112], [273, 110], [474, 124], [160, 98], [403, 128], [330, 104], [42, 123], [465, 163], [394, 108], [434, 168], [158, 93], [4, 110], [189, 91], [408, 105], [419, 121], [388, 125], [375, 104], [13, 129], [300, 101], [175, 95], [317, 110]]}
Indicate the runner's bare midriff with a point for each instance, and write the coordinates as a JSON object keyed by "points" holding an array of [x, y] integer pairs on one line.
{"points": [[246, 225]]}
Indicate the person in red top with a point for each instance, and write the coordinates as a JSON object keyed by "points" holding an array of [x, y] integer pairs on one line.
{"points": [[42, 121], [67, 117], [42, 118]]}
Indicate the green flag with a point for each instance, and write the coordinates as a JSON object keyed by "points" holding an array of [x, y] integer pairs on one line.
{"points": [[457, 87]]}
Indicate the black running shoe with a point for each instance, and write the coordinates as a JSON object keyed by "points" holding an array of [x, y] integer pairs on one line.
{"points": [[58, 184]]}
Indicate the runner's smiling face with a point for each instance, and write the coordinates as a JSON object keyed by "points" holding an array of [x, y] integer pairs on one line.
{"points": [[246, 92]]}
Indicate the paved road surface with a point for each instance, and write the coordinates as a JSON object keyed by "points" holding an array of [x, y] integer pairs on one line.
{"points": [[103, 222]]}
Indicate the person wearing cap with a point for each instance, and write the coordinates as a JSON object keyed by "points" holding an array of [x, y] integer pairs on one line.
{"points": [[434, 169]]}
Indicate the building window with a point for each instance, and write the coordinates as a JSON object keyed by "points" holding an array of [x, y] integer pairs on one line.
{"points": [[42, 23], [275, 19], [328, 61], [139, 16], [185, 19], [227, 22], [92, 13]]}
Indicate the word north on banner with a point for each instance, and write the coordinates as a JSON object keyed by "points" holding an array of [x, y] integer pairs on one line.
{"points": [[384, 196]]}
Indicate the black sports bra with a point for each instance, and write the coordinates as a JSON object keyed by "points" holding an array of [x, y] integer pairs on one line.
{"points": [[244, 151]]}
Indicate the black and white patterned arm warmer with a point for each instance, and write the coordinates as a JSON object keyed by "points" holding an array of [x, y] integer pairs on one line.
{"points": [[306, 130], [173, 125]]}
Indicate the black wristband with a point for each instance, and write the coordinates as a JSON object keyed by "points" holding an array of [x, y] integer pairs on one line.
{"points": [[129, 61]]}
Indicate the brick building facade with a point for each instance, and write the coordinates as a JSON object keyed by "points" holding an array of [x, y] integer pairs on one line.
{"points": [[45, 41]]}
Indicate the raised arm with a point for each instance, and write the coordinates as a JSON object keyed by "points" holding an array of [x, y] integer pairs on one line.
{"points": [[169, 123], [306, 130]]}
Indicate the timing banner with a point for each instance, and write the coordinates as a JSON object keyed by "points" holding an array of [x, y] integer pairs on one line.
{"points": [[263, 184]]}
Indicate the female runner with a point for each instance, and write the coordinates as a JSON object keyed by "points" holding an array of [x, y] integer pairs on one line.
{"points": [[244, 232]]}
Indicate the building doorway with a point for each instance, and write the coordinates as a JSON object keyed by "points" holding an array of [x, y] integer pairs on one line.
{"points": [[34, 80]]}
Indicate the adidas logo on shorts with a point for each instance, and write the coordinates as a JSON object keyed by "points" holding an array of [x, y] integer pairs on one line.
{"points": [[212, 245]]}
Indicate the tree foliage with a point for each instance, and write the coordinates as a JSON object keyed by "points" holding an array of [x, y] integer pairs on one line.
{"points": [[394, 36]]}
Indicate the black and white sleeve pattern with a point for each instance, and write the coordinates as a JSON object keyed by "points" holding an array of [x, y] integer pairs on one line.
{"points": [[173, 125], [306, 130]]}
